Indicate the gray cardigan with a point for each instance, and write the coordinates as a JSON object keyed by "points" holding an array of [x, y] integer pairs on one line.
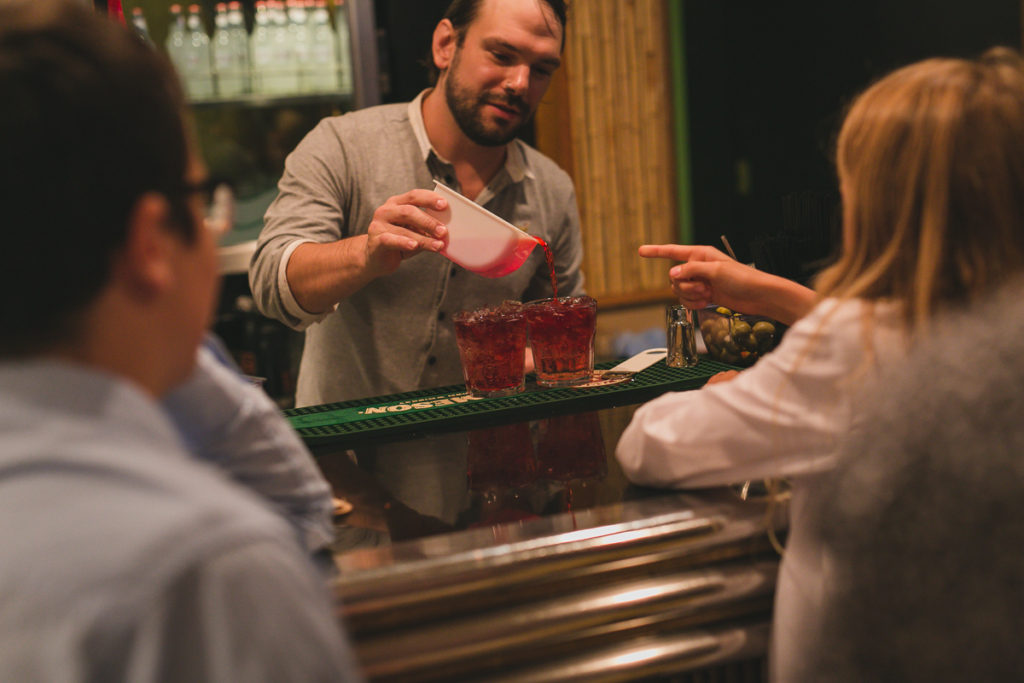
{"points": [[396, 333]]}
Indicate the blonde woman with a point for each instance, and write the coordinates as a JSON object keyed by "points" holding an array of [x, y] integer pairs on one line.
{"points": [[931, 171]]}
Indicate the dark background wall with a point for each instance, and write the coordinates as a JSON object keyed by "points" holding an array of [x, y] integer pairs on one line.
{"points": [[408, 27], [768, 84]]}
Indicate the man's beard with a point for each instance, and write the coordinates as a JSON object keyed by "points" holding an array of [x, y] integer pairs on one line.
{"points": [[466, 108]]}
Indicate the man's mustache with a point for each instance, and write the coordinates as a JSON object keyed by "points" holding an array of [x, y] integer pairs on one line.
{"points": [[513, 102]]}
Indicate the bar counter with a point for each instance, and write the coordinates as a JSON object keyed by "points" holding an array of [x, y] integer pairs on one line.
{"points": [[514, 549]]}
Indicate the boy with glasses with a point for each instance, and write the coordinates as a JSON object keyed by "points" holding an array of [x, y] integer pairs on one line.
{"points": [[122, 554]]}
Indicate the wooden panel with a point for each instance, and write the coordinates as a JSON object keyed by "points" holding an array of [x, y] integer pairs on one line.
{"points": [[616, 140]]}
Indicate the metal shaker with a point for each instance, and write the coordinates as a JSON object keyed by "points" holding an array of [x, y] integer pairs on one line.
{"points": [[681, 338]]}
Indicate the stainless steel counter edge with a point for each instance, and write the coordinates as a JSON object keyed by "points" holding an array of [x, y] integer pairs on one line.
{"points": [[575, 623], [639, 527]]}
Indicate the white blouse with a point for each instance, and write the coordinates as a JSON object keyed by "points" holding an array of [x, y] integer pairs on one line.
{"points": [[785, 416], [781, 417]]}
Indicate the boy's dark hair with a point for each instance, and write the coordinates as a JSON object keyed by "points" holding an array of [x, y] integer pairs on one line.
{"points": [[462, 13], [91, 118]]}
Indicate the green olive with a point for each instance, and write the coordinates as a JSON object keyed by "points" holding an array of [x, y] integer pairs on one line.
{"points": [[740, 328], [749, 342], [764, 329], [730, 344], [722, 310]]}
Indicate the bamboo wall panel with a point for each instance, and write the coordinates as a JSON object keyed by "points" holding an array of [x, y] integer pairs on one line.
{"points": [[618, 90]]}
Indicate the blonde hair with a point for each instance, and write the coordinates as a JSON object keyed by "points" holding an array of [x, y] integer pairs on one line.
{"points": [[931, 170]]}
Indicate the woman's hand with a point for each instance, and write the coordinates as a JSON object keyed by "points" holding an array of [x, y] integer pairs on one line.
{"points": [[707, 276]]}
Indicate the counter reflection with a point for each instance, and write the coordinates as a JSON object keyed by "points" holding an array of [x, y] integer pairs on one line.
{"points": [[481, 478]]}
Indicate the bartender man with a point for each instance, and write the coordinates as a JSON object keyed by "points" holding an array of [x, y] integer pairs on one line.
{"points": [[123, 555], [346, 252]]}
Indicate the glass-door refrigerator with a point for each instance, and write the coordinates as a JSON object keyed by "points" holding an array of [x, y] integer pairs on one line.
{"points": [[259, 74]]}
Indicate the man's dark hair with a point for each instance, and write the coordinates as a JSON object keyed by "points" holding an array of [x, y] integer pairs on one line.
{"points": [[462, 13], [91, 118]]}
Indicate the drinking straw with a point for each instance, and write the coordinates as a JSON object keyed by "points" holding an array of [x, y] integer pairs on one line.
{"points": [[728, 247]]}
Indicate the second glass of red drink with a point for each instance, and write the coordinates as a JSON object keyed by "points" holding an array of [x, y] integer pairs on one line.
{"points": [[492, 347], [562, 339]]}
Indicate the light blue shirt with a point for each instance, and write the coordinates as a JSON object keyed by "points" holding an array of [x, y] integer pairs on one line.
{"points": [[123, 557], [234, 425]]}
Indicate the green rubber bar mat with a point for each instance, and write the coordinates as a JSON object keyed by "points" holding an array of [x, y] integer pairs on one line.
{"points": [[451, 409]]}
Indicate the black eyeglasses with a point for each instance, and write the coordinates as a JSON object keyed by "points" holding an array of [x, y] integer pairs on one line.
{"points": [[219, 200]]}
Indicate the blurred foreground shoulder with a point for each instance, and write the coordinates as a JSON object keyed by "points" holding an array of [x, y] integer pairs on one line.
{"points": [[920, 513]]}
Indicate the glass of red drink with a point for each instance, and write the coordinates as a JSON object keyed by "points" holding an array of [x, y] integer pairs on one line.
{"points": [[562, 339], [492, 346]]}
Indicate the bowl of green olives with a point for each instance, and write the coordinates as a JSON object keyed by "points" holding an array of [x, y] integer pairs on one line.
{"points": [[737, 338]]}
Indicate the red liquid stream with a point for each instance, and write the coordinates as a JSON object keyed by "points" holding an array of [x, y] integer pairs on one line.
{"points": [[569, 506], [551, 265]]}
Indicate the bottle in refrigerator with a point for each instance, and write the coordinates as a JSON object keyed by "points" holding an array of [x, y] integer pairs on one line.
{"points": [[323, 50], [341, 26], [175, 43], [284, 76], [261, 50], [140, 26], [221, 62], [198, 71], [298, 37], [240, 43], [231, 51]]}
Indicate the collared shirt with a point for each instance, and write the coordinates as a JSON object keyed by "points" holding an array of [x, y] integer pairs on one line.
{"points": [[514, 170], [234, 425], [396, 334], [122, 557]]}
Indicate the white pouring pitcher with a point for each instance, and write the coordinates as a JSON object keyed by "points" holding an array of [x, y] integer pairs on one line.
{"points": [[477, 239]]}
